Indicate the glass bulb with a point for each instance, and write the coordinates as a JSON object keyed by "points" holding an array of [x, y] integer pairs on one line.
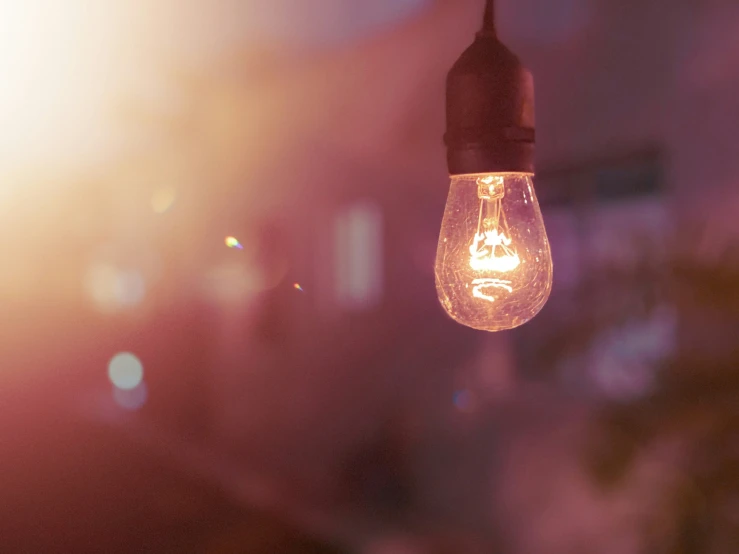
{"points": [[493, 263]]}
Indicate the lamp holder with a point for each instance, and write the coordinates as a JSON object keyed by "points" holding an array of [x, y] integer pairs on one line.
{"points": [[489, 108]]}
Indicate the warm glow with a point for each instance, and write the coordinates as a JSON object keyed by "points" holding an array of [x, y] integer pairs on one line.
{"points": [[493, 265], [486, 252], [492, 248], [59, 63]]}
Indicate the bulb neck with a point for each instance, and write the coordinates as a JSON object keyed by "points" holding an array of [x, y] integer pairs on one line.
{"points": [[489, 110]]}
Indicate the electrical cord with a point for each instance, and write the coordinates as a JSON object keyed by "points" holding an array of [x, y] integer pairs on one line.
{"points": [[488, 22]]}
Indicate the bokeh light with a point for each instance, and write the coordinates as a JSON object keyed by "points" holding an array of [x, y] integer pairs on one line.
{"points": [[232, 283], [131, 399], [464, 400], [113, 289], [163, 199], [125, 371]]}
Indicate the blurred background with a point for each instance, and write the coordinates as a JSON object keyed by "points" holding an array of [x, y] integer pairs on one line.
{"points": [[220, 331]]}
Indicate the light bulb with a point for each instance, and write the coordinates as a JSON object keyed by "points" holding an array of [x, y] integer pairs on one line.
{"points": [[493, 263]]}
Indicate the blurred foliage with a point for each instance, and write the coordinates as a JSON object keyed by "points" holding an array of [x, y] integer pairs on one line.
{"points": [[611, 295], [695, 406]]}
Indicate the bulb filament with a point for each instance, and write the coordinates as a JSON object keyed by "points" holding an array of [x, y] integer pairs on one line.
{"points": [[491, 248], [481, 288]]}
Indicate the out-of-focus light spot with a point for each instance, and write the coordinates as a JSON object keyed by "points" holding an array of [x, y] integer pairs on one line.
{"points": [[163, 199], [233, 283], [359, 255], [131, 399], [622, 361], [297, 286], [464, 400], [113, 289], [232, 242], [125, 371]]}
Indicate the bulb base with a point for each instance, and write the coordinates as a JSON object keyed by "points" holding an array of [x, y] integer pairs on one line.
{"points": [[490, 111], [501, 157]]}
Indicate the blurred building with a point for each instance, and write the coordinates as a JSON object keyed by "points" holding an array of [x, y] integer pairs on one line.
{"points": [[314, 355]]}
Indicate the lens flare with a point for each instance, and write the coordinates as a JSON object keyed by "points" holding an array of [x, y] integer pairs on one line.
{"points": [[233, 242], [297, 286]]}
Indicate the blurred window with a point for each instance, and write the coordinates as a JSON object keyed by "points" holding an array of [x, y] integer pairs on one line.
{"points": [[359, 255]]}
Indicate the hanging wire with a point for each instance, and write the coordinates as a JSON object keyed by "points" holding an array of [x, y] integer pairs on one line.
{"points": [[488, 22]]}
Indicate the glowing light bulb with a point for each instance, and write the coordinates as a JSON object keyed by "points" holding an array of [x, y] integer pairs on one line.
{"points": [[493, 263]]}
